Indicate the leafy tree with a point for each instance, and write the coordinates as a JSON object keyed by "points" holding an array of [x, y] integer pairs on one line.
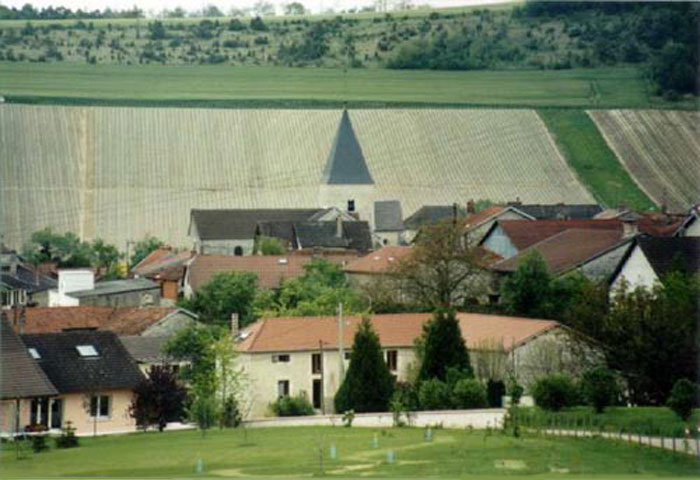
{"points": [[270, 246], [159, 399], [684, 396], [675, 67], [368, 384], [104, 257], [443, 347], [144, 247], [434, 394], [192, 345], [469, 393], [443, 268], [235, 25], [527, 291], [257, 25], [66, 250], [156, 30], [600, 388], [554, 392], [212, 11], [294, 8], [202, 409], [313, 46], [225, 294]]}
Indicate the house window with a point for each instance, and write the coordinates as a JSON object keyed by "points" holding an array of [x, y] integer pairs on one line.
{"points": [[99, 406], [283, 388], [238, 251], [316, 363], [392, 359], [86, 351], [351, 205], [34, 353], [280, 358], [348, 355]]}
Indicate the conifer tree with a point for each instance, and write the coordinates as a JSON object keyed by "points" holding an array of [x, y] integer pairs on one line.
{"points": [[368, 385], [443, 347]]}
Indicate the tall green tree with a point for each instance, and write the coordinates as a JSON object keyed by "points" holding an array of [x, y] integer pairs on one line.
{"points": [[225, 294], [368, 384], [67, 250], [443, 348], [144, 247], [527, 291]]}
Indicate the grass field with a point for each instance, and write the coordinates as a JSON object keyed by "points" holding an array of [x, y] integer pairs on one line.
{"points": [[597, 166], [225, 86], [296, 452], [654, 421]]}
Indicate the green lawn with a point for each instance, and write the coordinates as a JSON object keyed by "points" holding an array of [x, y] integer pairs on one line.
{"points": [[595, 164], [656, 421], [227, 86], [295, 452]]}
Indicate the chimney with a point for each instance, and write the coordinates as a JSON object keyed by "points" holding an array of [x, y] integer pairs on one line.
{"points": [[471, 208], [339, 226], [234, 326], [629, 228]]}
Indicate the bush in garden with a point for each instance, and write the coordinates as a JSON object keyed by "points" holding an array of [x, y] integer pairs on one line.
{"points": [[39, 443], [67, 438], [288, 406], [600, 388], [515, 390], [469, 393], [683, 398], [433, 395], [554, 392]]}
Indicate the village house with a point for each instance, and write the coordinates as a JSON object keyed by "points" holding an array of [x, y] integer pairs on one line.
{"points": [[388, 223], [301, 355], [690, 227], [375, 266], [165, 267], [271, 270], [20, 283], [78, 287], [650, 258], [94, 377]]}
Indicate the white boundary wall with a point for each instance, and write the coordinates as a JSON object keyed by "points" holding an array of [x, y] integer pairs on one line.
{"points": [[446, 418]]}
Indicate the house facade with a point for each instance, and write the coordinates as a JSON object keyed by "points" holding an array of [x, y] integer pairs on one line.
{"points": [[301, 355], [77, 287]]}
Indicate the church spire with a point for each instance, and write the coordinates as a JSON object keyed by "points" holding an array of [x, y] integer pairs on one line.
{"points": [[346, 165]]}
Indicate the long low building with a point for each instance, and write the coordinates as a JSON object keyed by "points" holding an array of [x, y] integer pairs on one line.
{"points": [[301, 355]]}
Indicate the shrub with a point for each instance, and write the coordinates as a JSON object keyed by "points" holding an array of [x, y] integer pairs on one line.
{"points": [[515, 390], [433, 395], [495, 389], [469, 393], [67, 438], [348, 418], [39, 443], [288, 406], [683, 398], [600, 388], [554, 392], [258, 25], [406, 394], [235, 25]]}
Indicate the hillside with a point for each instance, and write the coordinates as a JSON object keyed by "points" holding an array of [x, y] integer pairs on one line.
{"points": [[531, 37], [120, 173]]}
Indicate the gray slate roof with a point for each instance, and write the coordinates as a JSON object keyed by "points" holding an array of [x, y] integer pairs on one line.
{"points": [[146, 349], [346, 164], [355, 235], [560, 211], [667, 253], [20, 376], [116, 286], [26, 279], [240, 224], [431, 214], [387, 216], [113, 368]]}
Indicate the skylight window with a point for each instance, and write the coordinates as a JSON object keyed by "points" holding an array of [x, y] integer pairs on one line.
{"points": [[86, 351], [34, 353]]}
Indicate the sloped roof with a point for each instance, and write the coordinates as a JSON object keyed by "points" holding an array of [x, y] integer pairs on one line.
{"points": [[388, 216], [524, 233], [27, 279], [430, 214], [473, 221], [666, 253], [161, 262], [270, 269], [146, 349], [122, 320], [394, 330], [240, 224], [560, 211], [113, 368], [566, 249], [114, 287], [378, 261], [20, 376], [346, 164], [354, 236]]}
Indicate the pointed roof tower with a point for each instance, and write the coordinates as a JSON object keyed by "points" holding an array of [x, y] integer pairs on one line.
{"points": [[346, 164]]}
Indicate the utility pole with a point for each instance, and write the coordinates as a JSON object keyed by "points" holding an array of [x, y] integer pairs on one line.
{"points": [[341, 346]]}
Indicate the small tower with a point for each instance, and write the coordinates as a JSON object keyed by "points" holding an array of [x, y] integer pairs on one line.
{"points": [[346, 182]]}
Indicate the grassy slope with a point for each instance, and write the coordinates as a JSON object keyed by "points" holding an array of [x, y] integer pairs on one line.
{"points": [[597, 166], [622, 87], [643, 420], [295, 451]]}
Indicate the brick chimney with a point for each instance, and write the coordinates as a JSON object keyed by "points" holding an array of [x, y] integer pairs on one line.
{"points": [[471, 207], [234, 326]]}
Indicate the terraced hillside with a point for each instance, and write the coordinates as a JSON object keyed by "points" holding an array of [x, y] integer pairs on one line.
{"points": [[119, 173], [660, 149]]}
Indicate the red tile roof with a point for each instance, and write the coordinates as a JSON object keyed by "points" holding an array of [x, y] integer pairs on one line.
{"points": [[395, 330], [482, 216], [121, 320], [524, 233], [566, 249], [270, 269], [379, 261], [163, 263]]}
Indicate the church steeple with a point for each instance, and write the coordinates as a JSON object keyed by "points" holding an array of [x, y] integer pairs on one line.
{"points": [[346, 165]]}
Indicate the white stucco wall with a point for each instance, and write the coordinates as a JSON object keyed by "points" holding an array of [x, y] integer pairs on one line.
{"points": [[637, 271], [226, 247], [498, 242]]}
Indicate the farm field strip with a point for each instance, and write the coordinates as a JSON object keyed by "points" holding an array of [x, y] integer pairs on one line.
{"points": [[660, 149], [139, 171]]}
